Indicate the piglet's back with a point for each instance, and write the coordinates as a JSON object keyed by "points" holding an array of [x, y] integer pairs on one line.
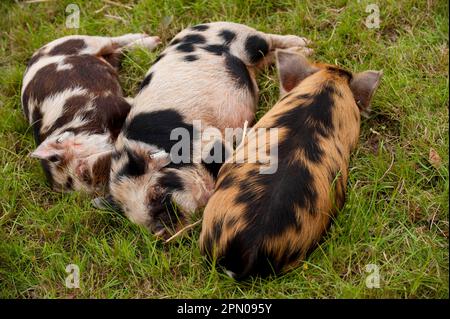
{"points": [[260, 224]]}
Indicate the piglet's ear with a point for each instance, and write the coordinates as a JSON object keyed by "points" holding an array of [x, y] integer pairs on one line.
{"points": [[47, 152], [363, 86], [293, 68]]}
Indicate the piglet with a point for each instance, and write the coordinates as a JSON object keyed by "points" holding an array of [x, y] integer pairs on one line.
{"points": [[260, 222], [204, 80], [72, 98]]}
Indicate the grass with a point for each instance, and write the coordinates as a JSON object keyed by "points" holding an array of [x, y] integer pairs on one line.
{"points": [[396, 215]]}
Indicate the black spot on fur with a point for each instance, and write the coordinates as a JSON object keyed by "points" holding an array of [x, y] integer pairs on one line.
{"points": [[188, 42], [289, 187], [231, 222], [256, 48], [200, 27], [228, 36], [136, 166], [228, 181], [216, 49], [171, 181], [210, 163], [190, 58], [146, 81], [185, 47], [68, 47], [239, 72], [217, 230], [194, 38], [299, 96], [316, 115], [312, 150], [154, 128]]}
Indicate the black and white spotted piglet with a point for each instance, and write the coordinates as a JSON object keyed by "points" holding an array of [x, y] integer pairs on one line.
{"points": [[207, 74], [72, 98]]}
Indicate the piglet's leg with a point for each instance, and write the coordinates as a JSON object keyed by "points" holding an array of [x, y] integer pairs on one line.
{"points": [[112, 48], [286, 41], [290, 42], [148, 43], [128, 38], [108, 45], [270, 57]]}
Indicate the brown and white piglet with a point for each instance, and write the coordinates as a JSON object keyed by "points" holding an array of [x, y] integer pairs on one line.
{"points": [[262, 224], [72, 98]]}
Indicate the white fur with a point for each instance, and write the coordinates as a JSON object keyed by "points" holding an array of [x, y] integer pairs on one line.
{"points": [[53, 106], [63, 66]]}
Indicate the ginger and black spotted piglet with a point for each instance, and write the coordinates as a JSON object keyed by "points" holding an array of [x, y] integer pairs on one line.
{"points": [[72, 98], [262, 224], [206, 74]]}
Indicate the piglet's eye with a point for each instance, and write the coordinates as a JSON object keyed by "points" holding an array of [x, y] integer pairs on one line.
{"points": [[54, 158]]}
